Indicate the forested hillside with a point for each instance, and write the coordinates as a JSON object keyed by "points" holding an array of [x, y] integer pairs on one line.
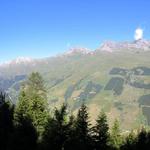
{"points": [[32, 125]]}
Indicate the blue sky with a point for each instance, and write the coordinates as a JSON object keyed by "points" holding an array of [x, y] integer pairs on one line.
{"points": [[41, 28]]}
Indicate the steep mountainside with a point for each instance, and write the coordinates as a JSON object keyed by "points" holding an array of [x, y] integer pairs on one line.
{"points": [[115, 78]]}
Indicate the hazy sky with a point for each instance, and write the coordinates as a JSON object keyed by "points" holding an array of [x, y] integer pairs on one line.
{"points": [[39, 28]]}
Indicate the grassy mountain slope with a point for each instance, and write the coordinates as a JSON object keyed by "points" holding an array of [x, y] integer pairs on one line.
{"points": [[115, 82]]}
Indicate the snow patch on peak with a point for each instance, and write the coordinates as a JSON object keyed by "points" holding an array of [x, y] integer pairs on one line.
{"points": [[17, 61], [78, 50], [108, 46], [23, 60]]}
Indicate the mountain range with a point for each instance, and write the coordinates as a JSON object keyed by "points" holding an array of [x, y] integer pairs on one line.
{"points": [[115, 77]]}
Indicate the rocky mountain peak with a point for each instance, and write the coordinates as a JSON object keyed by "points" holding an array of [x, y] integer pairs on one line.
{"points": [[140, 45], [77, 50], [17, 61]]}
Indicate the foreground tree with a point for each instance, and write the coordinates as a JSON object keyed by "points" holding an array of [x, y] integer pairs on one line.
{"points": [[143, 140], [130, 142], [24, 136], [101, 132], [57, 130], [82, 139], [33, 102], [6, 122]]}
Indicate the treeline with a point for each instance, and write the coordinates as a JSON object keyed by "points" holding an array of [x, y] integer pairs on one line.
{"points": [[29, 125]]}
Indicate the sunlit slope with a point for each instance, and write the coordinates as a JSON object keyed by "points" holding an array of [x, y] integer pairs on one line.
{"points": [[88, 79], [115, 82]]}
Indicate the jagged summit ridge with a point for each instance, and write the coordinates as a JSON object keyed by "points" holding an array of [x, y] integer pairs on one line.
{"points": [[19, 60], [77, 50], [111, 46], [108, 46]]}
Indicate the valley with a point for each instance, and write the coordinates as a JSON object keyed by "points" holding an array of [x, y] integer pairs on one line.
{"points": [[117, 82]]}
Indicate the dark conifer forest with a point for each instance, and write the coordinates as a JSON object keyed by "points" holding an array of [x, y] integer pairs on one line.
{"points": [[30, 125]]}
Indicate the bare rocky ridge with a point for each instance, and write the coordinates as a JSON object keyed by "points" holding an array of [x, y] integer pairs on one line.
{"points": [[138, 45], [108, 46]]}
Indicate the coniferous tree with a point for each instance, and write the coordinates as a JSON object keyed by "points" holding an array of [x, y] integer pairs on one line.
{"points": [[22, 106], [24, 136], [148, 139], [6, 122], [101, 132], [115, 137], [71, 134], [82, 139], [57, 130], [33, 102], [35, 84], [130, 142], [143, 140]]}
